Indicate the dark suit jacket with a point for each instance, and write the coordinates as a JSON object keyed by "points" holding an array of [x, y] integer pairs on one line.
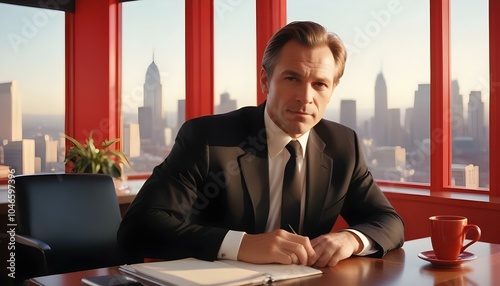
{"points": [[216, 179]]}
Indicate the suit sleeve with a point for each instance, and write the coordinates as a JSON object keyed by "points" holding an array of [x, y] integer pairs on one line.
{"points": [[157, 223], [367, 209]]}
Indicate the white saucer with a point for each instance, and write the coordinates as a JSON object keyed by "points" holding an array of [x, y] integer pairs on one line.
{"points": [[431, 257]]}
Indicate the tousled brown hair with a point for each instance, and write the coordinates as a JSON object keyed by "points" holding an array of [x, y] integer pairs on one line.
{"points": [[309, 34]]}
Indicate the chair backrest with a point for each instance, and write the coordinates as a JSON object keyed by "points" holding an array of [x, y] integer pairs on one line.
{"points": [[77, 215]]}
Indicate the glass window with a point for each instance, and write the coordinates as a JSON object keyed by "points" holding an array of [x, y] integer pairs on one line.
{"points": [[32, 90], [153, 80], [470, 93], [235, 75], [384, 93]]}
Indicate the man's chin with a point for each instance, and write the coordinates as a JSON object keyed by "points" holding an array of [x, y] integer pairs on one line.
{"points": [[297, 131]]}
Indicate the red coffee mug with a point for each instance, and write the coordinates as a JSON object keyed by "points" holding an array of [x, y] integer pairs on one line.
{"points": [[448, 234]]}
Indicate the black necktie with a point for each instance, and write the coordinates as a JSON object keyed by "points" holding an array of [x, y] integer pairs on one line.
{"points": [[291, 195]]}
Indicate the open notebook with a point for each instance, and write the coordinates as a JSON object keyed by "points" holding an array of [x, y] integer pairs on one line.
{"points": [[195, 272]]}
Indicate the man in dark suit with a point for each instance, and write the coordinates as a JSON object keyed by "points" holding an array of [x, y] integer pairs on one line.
{"points": [[219, 192]]}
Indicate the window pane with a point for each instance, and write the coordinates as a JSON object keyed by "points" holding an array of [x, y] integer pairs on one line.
{"points": [[234, 55], [470, 93], [384, 93], [32, 91], [153, 80]]}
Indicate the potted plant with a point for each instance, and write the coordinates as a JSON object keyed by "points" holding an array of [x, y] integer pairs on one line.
{"points": [[88, 158]]}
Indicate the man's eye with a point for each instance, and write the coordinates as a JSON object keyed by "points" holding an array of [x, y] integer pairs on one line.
{"points": [[320, 85], [290, 78]]}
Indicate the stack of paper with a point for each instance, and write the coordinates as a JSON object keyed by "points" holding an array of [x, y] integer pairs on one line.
{"points": [[195, 272]]}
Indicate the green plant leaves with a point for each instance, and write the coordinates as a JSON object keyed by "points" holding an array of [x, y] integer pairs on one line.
{"points": [[87, 158]]}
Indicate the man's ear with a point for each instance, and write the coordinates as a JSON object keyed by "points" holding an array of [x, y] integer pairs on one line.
{"points": [[264, 85]]}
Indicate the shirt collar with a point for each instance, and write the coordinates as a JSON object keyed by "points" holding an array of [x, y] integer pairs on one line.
{"points": [[277, 139]]}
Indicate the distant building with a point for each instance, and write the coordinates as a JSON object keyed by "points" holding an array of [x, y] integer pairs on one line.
{"points": [[20, 155], [420, 125], [61, 150], [475, 119], [465, 176], [46, 150], [348, 113], [145, 115], [388, 163], [457, 111], [11, 123], [131, 140], [407, 127], [389, 157], [181, 112], [152, 119], [380, 116], [226, 104], [169, 139], [394, 136]]}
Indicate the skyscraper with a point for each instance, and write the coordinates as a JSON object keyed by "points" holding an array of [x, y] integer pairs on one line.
{"points": [[420, 125], [145, 115], [11, 128], [475, 119], [457, 111], [380, 117], [348, 113], [394, 136], [153, 110], [20, 155], [407, 127]]}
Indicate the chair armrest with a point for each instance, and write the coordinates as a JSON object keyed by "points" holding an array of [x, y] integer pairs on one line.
{"points": [[33, 243], [32, 255]]}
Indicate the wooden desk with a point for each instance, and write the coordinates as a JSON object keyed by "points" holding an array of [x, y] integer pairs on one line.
{"points": [[399, 267]]}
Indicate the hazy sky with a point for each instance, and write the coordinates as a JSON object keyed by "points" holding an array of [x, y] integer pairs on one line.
{"points": [[389, 36]]}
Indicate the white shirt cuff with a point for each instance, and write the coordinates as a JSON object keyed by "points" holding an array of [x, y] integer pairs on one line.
{"points": [[230, 245], [368, 245]]}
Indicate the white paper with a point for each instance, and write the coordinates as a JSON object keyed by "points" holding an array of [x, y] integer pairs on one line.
{"points": [[195, 272]]}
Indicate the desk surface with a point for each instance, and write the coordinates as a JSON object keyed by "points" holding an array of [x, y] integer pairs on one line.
{"points": [[398, 267]]}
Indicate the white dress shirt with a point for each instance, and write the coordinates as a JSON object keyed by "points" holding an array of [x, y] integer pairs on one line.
{"points": [[278, 157]]}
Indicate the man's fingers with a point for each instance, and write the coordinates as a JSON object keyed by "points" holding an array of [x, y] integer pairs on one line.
{"points": [[332, 247], [323, 260], [297, 249], [306, 246], [278, 246]]}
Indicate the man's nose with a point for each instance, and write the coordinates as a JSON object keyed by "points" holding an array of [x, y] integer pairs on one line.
{"points": [[305, 93]]}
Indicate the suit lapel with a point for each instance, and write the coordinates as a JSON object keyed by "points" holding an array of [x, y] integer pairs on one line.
{"points": [[256, 175], [255, 170], [318, 176]]}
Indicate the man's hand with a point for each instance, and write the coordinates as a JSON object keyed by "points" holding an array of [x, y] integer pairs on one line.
{"points": [[332, 247], [278, 246]]}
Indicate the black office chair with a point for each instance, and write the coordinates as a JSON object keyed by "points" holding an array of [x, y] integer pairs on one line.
{"points": [[66, 222]]}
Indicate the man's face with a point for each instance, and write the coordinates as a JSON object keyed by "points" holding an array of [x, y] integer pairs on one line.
{"points": [[300, 87]]}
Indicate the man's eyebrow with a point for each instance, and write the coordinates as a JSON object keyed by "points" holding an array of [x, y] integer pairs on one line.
{"points": [[292, 73], [299, 75], [325, 79]]}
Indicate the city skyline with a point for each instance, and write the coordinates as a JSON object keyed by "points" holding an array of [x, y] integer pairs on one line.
{"points": [[396, 140]]}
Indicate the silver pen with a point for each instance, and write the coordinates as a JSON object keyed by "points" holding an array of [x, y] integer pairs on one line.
{"points": [[292, 229]]}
